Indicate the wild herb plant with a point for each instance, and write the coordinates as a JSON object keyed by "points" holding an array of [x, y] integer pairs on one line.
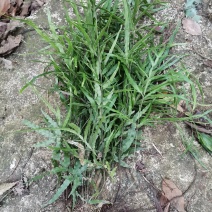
{"points": [[114, 76], [188, 143]]}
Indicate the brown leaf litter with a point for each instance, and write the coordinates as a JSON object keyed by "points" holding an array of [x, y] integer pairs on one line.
{"points": [[8, 45], [19, 7], [14, 8], [4, 6], [169, 195], [191, 27], [172, 193]]}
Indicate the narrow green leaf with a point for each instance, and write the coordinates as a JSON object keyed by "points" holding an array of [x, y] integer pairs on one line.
{"points": [[206, 141], [87, 129], [132, 81], [112, 47], [75, 127], [45, 143], [42, 131], [59, 192], [124, 164], [127, 142], [68, 115], [127, 19], [107, 144], [109, 82]]}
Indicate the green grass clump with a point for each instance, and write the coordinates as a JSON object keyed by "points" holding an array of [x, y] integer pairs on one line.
{"points": [[112, 74]]}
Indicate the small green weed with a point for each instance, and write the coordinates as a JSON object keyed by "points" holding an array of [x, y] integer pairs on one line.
{"points": [[188, 143], [112, 74], [190, 9]]}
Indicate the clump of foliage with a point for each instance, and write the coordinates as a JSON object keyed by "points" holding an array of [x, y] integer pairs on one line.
{"points": [[112, 74], [190, 9]]}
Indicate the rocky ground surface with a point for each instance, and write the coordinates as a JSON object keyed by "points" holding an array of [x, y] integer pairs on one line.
{"points": [[163, 155]]}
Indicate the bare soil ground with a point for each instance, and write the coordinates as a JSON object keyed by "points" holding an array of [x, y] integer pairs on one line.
{"points": [[162, 157]]}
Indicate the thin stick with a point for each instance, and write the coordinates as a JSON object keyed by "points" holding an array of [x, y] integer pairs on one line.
{"points": [[157, 149], [200, 129]]}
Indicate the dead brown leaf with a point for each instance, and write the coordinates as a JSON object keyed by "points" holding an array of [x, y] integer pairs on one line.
{"points": [[181, 107], [25, 8], [4, 6], [11, 27], [163, 201], [13, 2], [13, 11], [140, 166], [166, 209], [191, 27], [19, 2], [20, 7], [3, 28], [81, 151], [173, 194], [10, 44]]}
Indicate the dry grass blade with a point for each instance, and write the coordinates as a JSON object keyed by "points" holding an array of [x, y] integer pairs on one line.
{"points": [[81, 151]]}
